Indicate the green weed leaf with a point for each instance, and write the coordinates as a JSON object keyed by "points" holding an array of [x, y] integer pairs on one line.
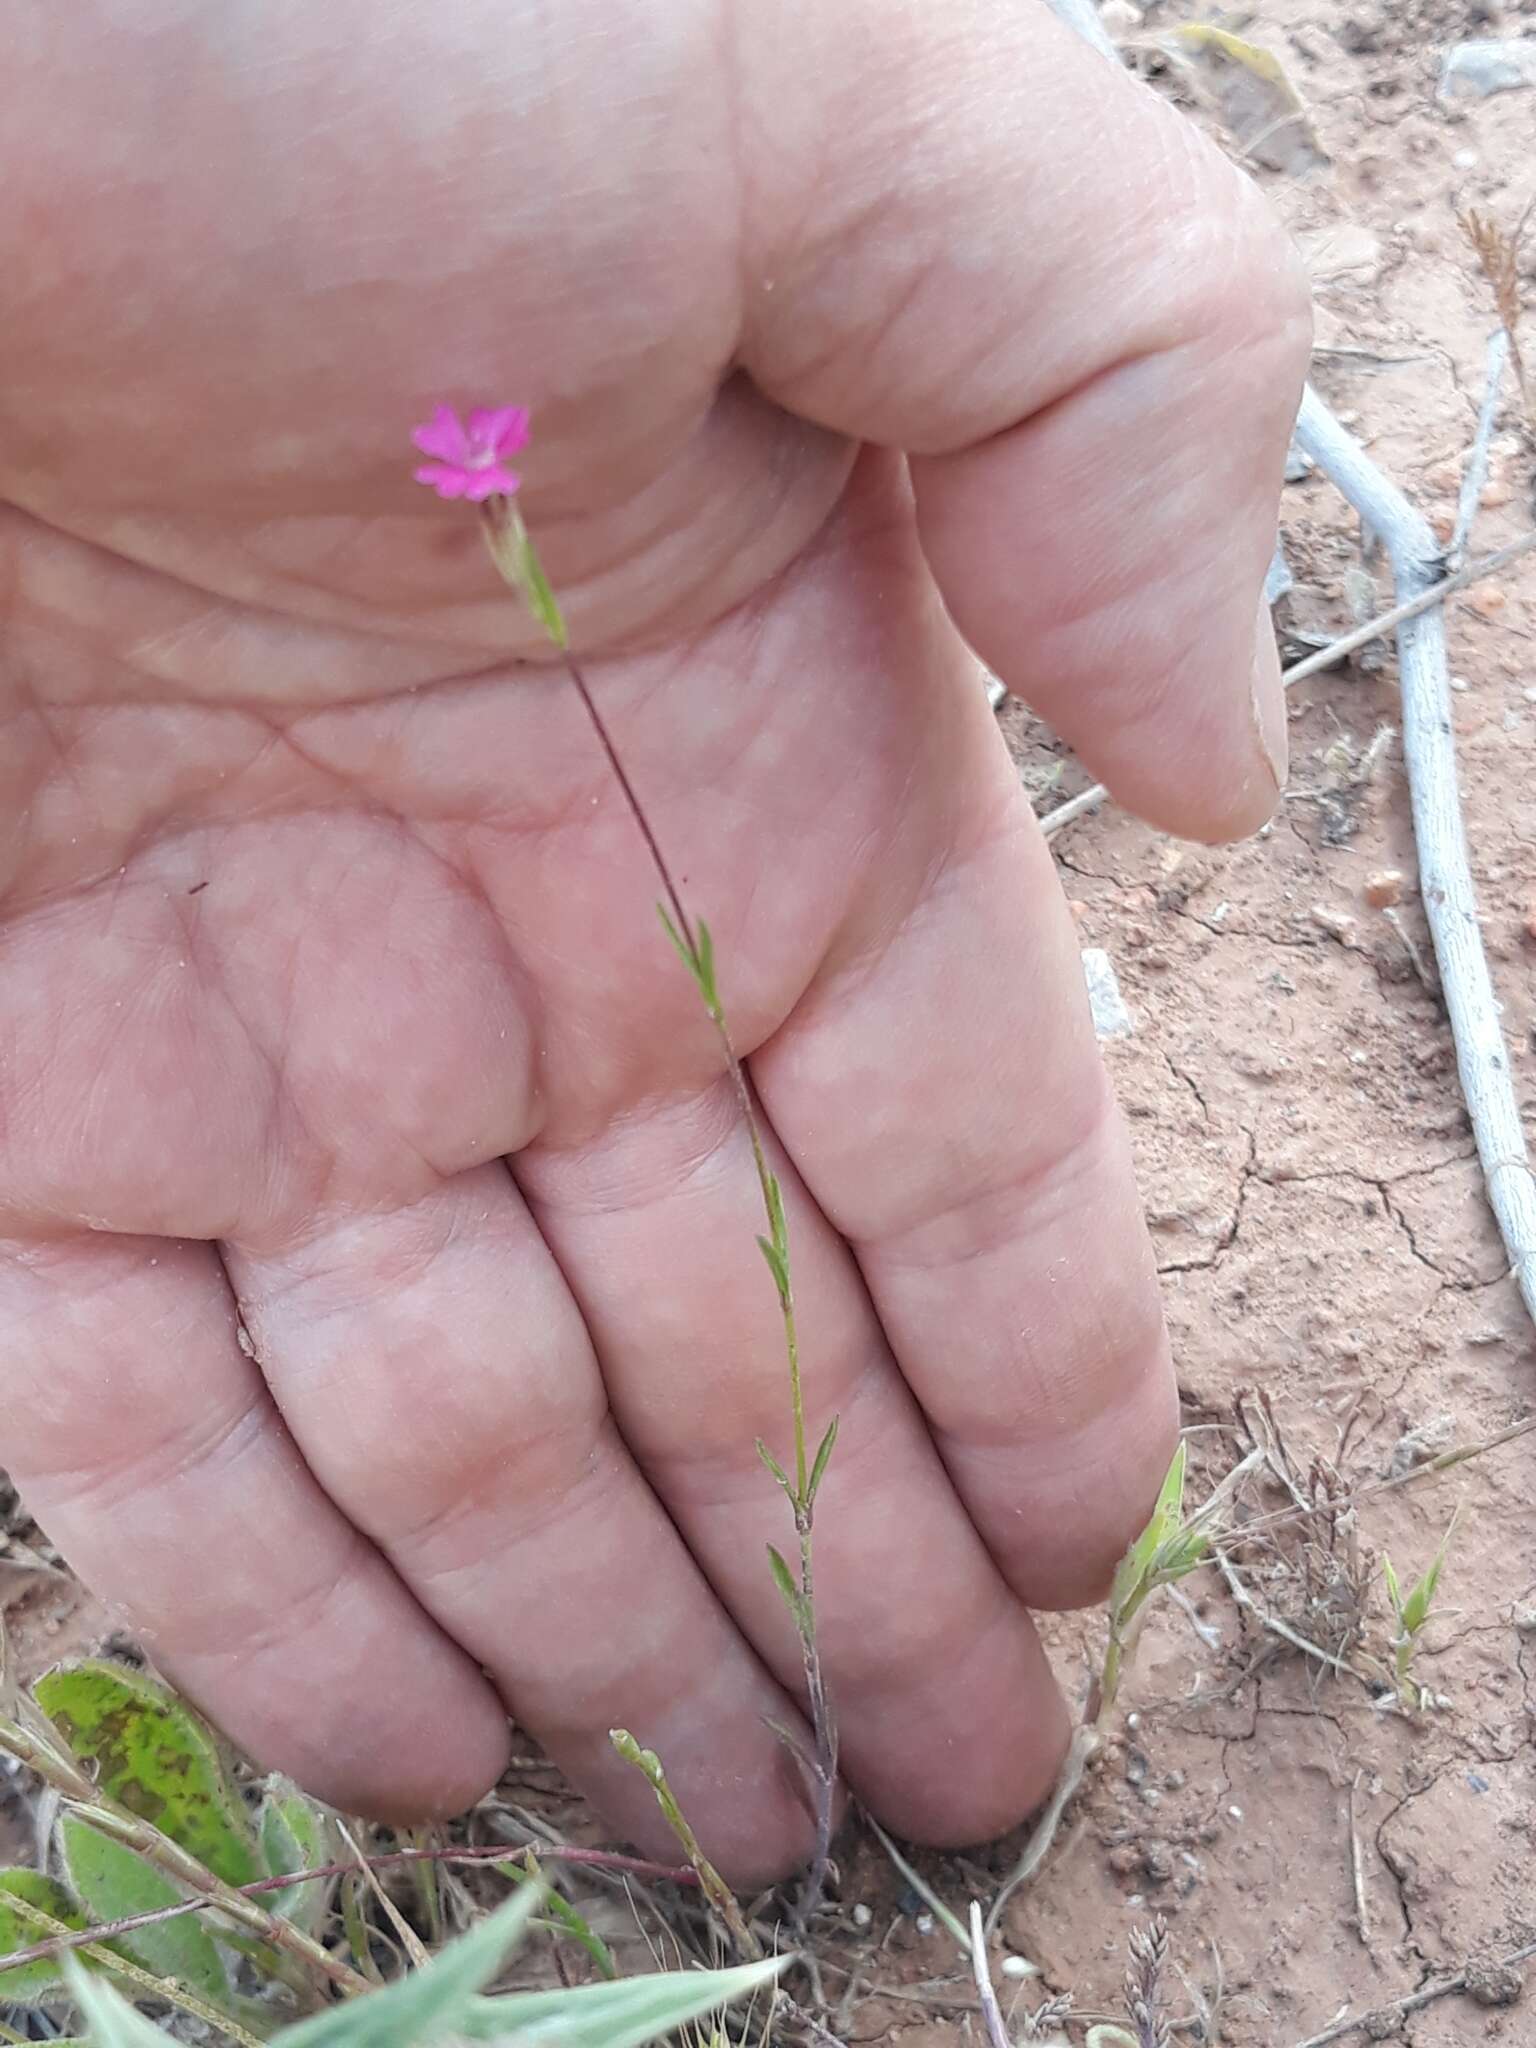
{"points": [[296, 1835], [153, 1755], [33, 1983], [775, 1469], [1166, 1516], [699, 961], [1394, 1591], [823, 1453], [784, 1579], [778, 1266], [439, 2000], [622, 2015], [113, 1883], [705, 970]]}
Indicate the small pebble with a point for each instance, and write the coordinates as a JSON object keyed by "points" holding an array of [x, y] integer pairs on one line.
{"points": [[1119, 17], [862, 1916], [1473, 70], [1465, 160], [1336, 923], [1234, 1813], [1384, 888], [1016, 1966], [924, 1923], [1488, 601], [1459, 683]]}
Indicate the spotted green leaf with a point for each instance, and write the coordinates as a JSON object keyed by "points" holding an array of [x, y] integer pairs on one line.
{"points": [[153, 1755]]}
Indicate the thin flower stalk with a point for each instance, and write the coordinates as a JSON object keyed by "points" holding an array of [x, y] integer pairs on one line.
{"points": [[472, 453]]}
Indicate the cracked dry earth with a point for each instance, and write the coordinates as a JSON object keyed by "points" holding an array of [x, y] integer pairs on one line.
{"points": [[1318, 1214]]}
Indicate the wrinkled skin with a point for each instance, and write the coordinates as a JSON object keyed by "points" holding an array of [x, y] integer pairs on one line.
{"points": [[381, 1326]]}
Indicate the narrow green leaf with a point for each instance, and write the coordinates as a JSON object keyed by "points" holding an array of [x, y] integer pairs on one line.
{"points": [[114, 1883], [823, 1453], [1394, 1591], [706, 970], [622, 2015], [1165, 1518], [776, 1266], [776, 1219], [111, 2019], [1415, 1611], [152, 1754], [562, 1917], [436, 2000], [784, 1579], [703, 981], [33, 1983], [773, 1465]]}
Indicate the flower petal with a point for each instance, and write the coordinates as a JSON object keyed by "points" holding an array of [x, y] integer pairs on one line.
{"points": [[486, 483], [446, 478], [443, 435], [500, 430]]}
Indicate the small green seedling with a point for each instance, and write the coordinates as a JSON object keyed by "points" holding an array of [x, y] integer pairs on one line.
{"points": [[1168, 1549], [1412, 1612]]}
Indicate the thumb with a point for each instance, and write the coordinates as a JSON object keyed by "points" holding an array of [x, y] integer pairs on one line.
{"points": [[1089, 334]]}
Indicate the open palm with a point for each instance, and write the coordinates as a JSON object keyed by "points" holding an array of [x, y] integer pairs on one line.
{"points": [[382, 1323]]}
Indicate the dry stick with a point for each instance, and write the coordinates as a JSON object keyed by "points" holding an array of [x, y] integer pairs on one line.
{"points": [[109, 1930], [1475, 474], [1357, 1870], [991, 2011], [1414, 2002], [1429, 750], [1325, 657]]}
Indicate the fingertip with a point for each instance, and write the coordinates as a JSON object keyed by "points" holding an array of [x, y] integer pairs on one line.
{"points": [[420, 1751]]}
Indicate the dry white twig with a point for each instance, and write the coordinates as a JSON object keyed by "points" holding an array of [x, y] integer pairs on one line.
{"points": [[1429, 749], [1414, 2002], [1475, 475], [991, 2011]]}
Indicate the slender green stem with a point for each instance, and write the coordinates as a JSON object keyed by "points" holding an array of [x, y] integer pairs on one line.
{"points": [[693, 943]]}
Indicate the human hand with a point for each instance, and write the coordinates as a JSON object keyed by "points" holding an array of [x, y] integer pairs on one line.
{"points": [[333, 1008]]}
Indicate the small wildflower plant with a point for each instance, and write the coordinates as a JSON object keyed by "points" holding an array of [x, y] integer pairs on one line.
{"points": [[468, 462]]}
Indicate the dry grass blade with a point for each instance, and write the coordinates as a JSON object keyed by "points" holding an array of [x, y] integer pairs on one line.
{"points": [[1498, 257]]}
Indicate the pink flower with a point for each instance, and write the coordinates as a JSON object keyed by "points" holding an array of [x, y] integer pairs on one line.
{"points": [[470, 455]]}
